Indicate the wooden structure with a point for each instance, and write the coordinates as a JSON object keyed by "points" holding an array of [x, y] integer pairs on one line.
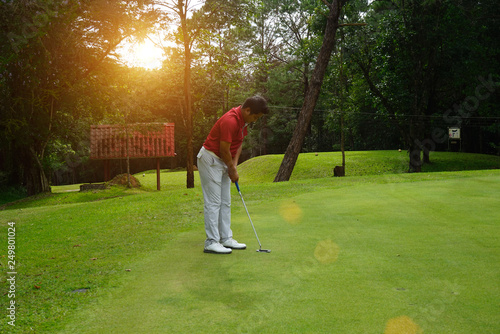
{"points": [[143, 140]]}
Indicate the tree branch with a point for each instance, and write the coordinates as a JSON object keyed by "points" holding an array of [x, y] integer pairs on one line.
{"points": [[366, 73], [352, 24], [385, 102], [327, 3], [101, 58]]}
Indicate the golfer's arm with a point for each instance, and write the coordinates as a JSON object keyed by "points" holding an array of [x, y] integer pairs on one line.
{"points": [[225, 154], [237, 156]]}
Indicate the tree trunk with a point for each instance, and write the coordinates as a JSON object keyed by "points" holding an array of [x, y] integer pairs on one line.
{"points": [[295, 145], [187, 96], [129, 184], [342, 140], [416, 147], [415, 159], [34, 176], [189, 122], [427, 158], [342, 134]]}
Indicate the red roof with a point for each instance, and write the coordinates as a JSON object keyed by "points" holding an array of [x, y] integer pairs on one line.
{"points": [[145, 140]]}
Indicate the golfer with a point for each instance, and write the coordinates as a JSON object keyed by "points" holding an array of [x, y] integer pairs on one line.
{"points": [[217, 165]]}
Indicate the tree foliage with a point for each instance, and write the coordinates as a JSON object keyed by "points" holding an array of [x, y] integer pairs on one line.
{"points": [[415, 69], [419, 59], [51, 53]]}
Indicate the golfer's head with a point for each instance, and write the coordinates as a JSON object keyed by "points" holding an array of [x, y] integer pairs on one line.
{"points": [[254, 108]]}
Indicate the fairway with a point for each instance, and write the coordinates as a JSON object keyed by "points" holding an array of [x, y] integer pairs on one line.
{"points": [[404, 257]]}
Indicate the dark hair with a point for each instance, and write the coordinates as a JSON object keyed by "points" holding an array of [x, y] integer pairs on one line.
{"points": [[257, 105]]}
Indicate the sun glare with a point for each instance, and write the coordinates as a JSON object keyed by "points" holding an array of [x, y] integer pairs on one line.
{"points": [[145, 54]]}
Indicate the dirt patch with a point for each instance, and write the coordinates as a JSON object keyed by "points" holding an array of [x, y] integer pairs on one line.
{"points": [[122, 180], [95, 186]]}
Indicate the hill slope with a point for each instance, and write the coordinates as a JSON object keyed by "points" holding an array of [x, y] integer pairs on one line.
{"points": [[361, 163]]}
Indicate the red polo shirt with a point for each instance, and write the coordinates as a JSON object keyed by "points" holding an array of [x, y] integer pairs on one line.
{"points": [[229, 128]]}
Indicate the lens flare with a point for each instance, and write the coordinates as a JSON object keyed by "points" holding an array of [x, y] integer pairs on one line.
{"points": [[291, 212], [402, 324], [326, 251]]}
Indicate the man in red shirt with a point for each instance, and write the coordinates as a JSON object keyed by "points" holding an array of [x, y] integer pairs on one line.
{"points": [[217, 165]]}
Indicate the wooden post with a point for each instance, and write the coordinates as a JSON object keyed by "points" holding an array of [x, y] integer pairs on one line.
{"points": [[106, 170], [158, 174]]}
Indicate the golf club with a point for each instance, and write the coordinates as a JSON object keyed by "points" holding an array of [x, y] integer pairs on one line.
{"points": [[260, 246]]}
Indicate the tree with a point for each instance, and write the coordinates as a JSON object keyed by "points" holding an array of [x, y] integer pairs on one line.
{"points": [[408, 87], [419, 59], [181, 8], [51, 50], [193, 24], [295, 146]]}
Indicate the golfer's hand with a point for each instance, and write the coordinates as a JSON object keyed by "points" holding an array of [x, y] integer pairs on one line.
{"points": [[233, 174]]}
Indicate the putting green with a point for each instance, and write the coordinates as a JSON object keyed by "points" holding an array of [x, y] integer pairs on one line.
{"points": [[382, 258]]}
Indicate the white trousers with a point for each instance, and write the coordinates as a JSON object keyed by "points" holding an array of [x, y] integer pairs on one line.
{"points": [[216, 186]]}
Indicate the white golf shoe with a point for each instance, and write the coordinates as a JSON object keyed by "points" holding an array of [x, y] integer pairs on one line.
{"points": [[217, 248], [233, 244]]}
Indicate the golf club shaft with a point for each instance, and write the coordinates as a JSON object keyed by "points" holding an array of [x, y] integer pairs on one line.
{"points": [[248, 214]]}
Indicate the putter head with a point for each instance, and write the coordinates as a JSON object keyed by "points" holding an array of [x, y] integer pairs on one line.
{"points": [[264, 250]]}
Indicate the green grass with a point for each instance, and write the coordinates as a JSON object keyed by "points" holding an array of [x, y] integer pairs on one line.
{"points": [[58, 197], [64, 247], [349, 255], [66, 188], [169, 180], [11, 194], [311, 166], [264, 168]]}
